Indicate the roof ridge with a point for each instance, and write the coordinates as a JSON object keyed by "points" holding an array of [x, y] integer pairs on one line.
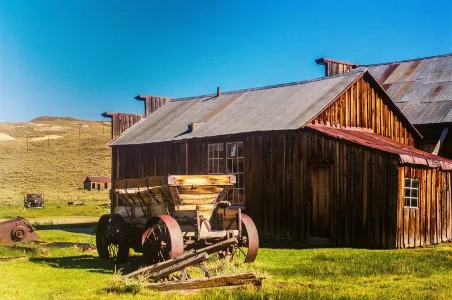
{"points": [[273, 86], [406, 60]]}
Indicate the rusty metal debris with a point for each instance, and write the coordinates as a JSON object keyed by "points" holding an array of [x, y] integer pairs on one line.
{"points": [[17, 230]]}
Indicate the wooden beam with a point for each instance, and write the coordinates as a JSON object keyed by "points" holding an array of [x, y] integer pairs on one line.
{"points": [[440, 141], [202, 283]]}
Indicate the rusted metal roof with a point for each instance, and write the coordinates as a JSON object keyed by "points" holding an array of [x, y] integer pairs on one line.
{"points": [[369, 139], [280, 107], [421, 88], [103, 179]]}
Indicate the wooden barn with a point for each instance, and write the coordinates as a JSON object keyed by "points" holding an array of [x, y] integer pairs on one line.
{"points": [[97, 183], [421, 88], [331, 161]]}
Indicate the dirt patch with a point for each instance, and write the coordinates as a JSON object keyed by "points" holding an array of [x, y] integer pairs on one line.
{"points": [[45, 138], [6, 137]]}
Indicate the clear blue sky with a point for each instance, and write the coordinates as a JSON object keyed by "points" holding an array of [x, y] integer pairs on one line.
{"points": [[81, 58]]}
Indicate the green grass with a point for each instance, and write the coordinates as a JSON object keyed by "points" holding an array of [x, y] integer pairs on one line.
{"points": [[70, 273]]}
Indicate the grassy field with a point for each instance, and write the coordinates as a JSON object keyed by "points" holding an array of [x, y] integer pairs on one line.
{"points": [[59, 154], [48, 272]]}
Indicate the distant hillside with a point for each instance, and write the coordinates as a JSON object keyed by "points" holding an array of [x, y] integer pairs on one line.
{"points": [[52, 119], [52, 155]]}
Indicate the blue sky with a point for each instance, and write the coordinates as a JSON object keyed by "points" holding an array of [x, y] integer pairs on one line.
{"points": [[80, 58]]}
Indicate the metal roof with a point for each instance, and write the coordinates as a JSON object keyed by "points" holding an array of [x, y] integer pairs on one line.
{"points": [[421, 88], [279, 107], [369, 139], [103, 179]]}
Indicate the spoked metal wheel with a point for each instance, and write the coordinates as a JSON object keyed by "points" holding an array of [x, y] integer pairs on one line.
{"points": [[248, 243], [162, 240], [112, 239]]}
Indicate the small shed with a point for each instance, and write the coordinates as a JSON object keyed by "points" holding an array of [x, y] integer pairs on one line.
{"points": [[97, 183]]}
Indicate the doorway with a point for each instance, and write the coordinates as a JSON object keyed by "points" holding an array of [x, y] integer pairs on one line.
{"points": [[320, 204]]}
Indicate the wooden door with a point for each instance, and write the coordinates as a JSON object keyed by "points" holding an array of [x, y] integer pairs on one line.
{"points": [[320, 204]]}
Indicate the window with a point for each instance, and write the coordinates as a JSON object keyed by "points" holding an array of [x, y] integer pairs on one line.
{"points": [[231, 163], [215, 158], [411, 192], [234, 165], [105, 185], [93, 186]]}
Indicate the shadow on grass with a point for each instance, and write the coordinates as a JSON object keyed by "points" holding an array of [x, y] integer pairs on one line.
{"points": [[88, 262], [91, 263]]}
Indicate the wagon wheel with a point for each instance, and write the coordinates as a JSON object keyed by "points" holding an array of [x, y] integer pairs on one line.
{"points": [[162, 240], [112, 239], [248, 243]]}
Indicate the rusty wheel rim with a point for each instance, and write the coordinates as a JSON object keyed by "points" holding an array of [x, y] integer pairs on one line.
{"points": [[162, 240], [248, 243]]}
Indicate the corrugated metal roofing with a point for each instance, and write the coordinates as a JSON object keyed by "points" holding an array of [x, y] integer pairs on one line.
{"points": [[281, 107], [413, 84], [367, 138], [103, 179]]}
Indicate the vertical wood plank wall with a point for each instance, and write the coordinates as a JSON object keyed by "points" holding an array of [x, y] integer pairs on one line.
{"points": [[431, 222], [278, 179], [362, 106], [334, 68]]}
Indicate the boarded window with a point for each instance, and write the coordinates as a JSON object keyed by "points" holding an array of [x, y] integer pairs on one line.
{"points": [[215, 158], [411, 192]]}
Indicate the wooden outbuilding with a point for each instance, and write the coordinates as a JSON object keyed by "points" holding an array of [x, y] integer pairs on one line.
{"points": [[330, 161], [97, 183], [421, 88]]}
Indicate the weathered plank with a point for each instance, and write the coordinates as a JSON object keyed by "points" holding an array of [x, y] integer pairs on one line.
{"points": [[202, 283]]}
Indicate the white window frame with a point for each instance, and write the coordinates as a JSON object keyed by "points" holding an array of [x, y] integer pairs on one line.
{"points": [[215, 158], [232, 162], [411, 193]]}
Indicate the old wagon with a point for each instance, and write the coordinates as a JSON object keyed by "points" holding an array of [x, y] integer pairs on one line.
{"points": [[161, 216]]}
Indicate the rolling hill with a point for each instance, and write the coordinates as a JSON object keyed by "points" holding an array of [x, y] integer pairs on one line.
{"points": [[53, 155]]}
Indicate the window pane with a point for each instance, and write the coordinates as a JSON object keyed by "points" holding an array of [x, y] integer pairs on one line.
{"points": [[228, 150], [240, 149], [240, 165], [407, 182], [229, 166], [240, 181], [233, 151], [209, 169], [210, 155], [221, 166], [414, 202], [415, 183], [407, 202], [407, 192], [414, 193]]}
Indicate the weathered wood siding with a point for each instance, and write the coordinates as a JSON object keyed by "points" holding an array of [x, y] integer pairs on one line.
{"points": [[362, 106], [363, 200], [431, 222], [121, 122]]}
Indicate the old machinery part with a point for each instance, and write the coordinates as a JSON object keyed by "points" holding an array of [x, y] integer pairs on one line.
{"points": [[112, 238], [17, 230], [162, 240]]}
